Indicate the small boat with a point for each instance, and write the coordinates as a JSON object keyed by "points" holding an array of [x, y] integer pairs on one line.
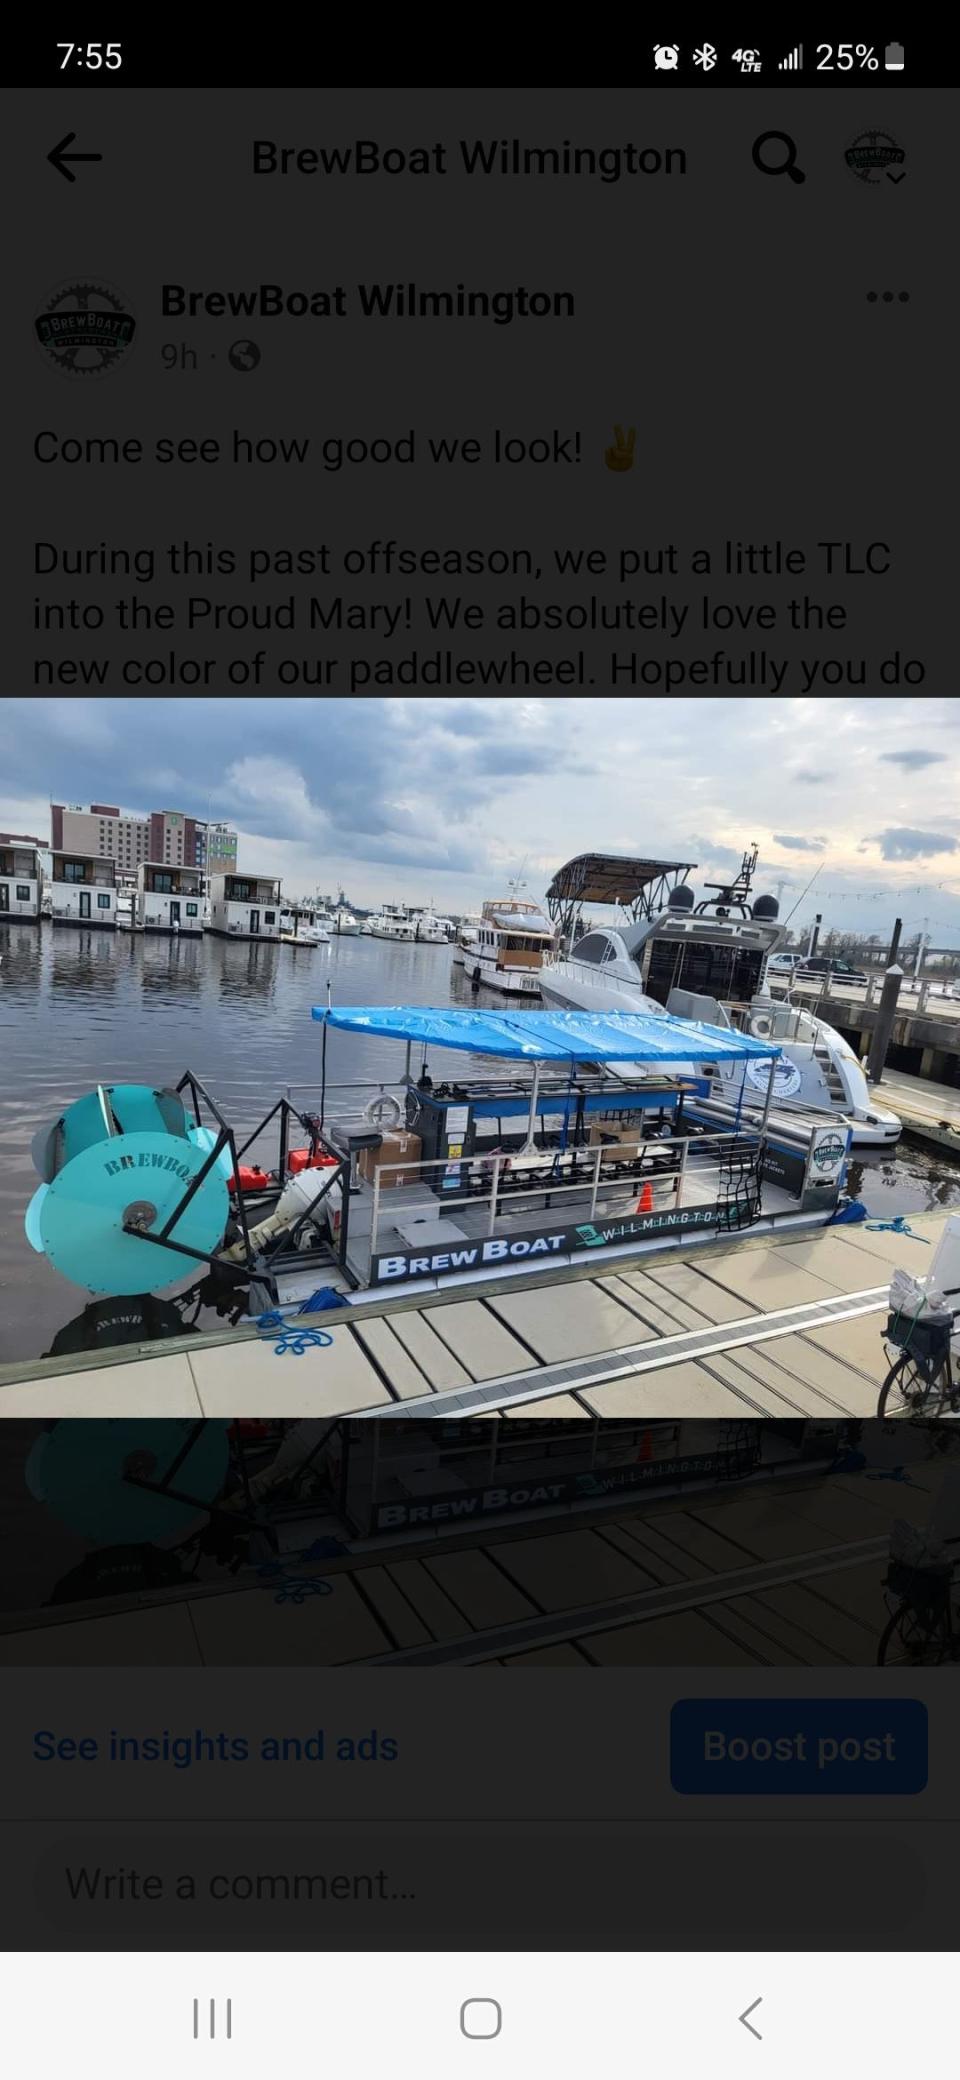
{"points": [[343, 923], [574, 1143], [299, 928]]}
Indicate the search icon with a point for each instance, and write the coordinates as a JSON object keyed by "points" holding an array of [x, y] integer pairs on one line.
{"points": [[780, 164]]}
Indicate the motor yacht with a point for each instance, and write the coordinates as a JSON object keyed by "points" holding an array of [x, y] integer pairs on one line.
{"points": [[703, 961], [429, 929], [391, 921], [513, 937]]}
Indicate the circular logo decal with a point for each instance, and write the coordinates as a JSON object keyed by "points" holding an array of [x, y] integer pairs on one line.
{"points": [[872, 155], [85, 328]]}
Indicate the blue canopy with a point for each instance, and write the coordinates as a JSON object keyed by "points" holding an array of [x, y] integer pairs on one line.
{"points": [[546, 1036]]}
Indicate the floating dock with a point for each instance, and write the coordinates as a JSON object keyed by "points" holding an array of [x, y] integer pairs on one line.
{"points": [[774, 1325]]}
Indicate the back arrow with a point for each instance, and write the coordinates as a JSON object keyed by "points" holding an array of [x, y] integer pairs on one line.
{"points": [[61, 158], [749, 2025]]}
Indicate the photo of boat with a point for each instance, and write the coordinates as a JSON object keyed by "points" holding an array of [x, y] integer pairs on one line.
{"points": [[301, 927], [513, 938], [668, 953], [391, 921]]}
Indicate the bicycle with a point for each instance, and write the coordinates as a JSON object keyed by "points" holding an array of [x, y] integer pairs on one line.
{"points": [[921, 1381], [920, 1632]]}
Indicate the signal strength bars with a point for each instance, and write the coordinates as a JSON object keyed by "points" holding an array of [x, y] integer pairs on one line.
{"points": [[794, 62]]}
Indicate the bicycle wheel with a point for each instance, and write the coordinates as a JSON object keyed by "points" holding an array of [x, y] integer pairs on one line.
{"points": [[909, 1389], [914, 1638]]}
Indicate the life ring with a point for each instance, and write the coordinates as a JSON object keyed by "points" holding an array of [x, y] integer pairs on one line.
{"points": [[384, 1111], [761, 1026]]}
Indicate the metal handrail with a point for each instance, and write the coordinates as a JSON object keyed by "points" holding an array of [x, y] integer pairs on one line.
{"points": [[625, 1152]]}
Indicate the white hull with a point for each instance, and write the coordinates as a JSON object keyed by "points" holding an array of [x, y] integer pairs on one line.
{"points": [[826, 1074], [511, 982]]}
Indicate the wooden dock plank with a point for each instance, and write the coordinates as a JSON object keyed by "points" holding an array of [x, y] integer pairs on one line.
{"points": [[482, 1344], [663, 1313], [571, 1320], [380, 1342], [394, 1613], [250, 1379], [479, 1588], [763, 1282], [145, 1387], [160, 1638], [566, 1568], [442, 1369], [322, 1631], [693, 1284], [780, 1393], [557, 1407], [686, 1639], [436, 1609], [685, 1389]]}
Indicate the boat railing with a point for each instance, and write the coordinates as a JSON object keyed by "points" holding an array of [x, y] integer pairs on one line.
{"points": [[654, 1175]]}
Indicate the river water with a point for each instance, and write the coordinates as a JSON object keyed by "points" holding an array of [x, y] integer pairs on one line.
{"points": [[78, 1008]]}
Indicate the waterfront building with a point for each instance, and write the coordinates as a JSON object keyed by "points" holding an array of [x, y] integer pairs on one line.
{"points": [[83, 890], [164, 837], [169, 899], [244, 906], [20, 878]]}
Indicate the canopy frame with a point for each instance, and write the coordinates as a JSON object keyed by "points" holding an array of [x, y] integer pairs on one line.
{"points": [[640, 886]]}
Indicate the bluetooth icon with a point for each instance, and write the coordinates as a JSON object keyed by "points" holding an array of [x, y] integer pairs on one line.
{"points": [[706, 57]]}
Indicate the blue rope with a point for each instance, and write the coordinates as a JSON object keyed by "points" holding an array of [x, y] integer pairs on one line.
{"points": [[898, 1226], [286, 1337]]}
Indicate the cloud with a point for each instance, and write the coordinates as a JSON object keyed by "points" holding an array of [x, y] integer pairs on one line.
{"points": [[797, 844], [911, 761], [809, 777], [906, 844]]}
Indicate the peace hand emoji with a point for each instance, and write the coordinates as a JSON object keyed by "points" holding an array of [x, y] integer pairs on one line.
{"points": [[621, 455]]}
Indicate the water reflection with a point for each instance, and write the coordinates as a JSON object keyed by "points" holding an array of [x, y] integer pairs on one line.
{"points": [[82, 960], [171, 965], [248, 968]]}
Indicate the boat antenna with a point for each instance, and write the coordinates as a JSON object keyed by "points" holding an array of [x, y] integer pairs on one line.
{"points": [[810, 883]]}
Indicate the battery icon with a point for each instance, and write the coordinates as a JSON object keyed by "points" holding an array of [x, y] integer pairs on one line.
{"points": [[893, 58]]}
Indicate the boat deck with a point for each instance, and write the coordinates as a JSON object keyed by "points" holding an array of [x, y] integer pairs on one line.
{"points": [[776, 1325], [753, 1576]]}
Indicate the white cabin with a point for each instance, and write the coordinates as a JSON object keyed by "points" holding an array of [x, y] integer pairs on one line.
{"points": [[244, 906], [20, 881], [83, 891], [169, 899]]}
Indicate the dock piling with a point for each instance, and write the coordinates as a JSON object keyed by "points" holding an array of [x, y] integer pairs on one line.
{"points": [[883, 1030]]}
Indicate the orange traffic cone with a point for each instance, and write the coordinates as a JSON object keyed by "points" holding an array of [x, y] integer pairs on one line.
{"points": [[645, 1202]]}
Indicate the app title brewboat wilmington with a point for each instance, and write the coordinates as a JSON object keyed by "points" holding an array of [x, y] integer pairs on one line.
{"points": [[555, 1136]]}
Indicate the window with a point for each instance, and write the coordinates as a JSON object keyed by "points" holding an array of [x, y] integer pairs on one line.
{"points": [[163, 884], [191, 909], [73, 870], [23, 894], [593, 947], [269, 917], [103, 902]]}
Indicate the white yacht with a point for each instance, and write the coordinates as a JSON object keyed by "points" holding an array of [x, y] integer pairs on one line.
{"points": [[513, 937], [466, 935], [391, 921], [429, 929], [301, 928], [343, 922], [704, 960]]}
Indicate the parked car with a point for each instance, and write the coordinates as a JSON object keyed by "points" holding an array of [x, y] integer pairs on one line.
{"points": [[821, 964], [784, 963]]}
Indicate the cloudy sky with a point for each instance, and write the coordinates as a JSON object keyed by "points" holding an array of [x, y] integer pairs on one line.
{"points": [[444, 799]]}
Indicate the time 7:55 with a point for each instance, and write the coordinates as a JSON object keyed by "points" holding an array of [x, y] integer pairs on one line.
{"points": [[92, 55]]}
